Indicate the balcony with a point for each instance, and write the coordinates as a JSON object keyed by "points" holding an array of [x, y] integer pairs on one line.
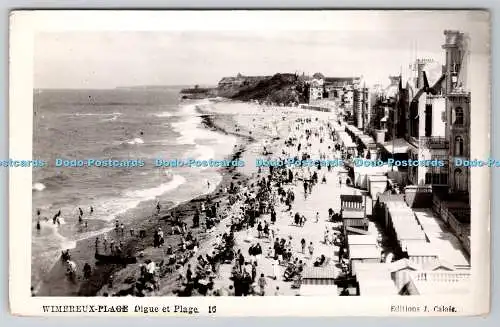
{"points": [[441, 276], [433, 142]]}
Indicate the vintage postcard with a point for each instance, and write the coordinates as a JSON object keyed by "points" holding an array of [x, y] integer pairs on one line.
{"points": [[249, 163]]}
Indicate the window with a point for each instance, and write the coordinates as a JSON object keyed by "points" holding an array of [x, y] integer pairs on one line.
{"points": [[459, 179], [428, 120], [459, 146], [428, 178], [444, 179], [459, 116], [436, 178]]}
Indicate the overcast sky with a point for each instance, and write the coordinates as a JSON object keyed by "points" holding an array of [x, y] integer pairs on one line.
{"points": [[378, 47]]}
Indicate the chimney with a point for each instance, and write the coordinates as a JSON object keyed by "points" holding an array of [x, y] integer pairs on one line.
{"points": [[420, 74]]}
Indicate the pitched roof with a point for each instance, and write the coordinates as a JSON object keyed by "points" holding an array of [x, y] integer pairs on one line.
{"points": [[439, 264], [402, 264]]}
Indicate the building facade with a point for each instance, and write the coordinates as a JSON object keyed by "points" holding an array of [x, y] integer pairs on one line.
{"points": [[361, 107], [334, 86], [457, 109], [426, 123]]}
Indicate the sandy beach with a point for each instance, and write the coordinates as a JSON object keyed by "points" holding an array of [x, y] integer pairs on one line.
{"points": [[322, 198]]}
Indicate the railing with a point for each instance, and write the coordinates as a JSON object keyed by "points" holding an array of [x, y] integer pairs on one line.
{"points": [[461, 231], [434, 142], [440, 276]]}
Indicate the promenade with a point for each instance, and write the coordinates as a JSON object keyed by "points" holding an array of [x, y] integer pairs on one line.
{"points": [[322, 197]]}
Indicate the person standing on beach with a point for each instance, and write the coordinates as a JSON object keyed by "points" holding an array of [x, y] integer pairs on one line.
{"points": [[254, 271], [112, 246], [259, 230], [189, 274], [56, 217], [303, 245], [158, 208], [276, 269], [91, 210], [297, 219], [317, 217], [262, 284], [311, 249]]}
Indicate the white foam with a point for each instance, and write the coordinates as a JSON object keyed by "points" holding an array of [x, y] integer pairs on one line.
{"points": [[115, 117], [163, 114], [137, 140], [38, 187], [94, 114], [188, 129], [152, 193], [115, 207], [203, 152]]}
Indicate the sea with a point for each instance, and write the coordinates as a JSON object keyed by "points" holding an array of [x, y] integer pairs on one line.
{"points": [[122, 124]]}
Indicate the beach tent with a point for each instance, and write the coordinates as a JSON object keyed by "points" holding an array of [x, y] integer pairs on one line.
{"points": [[319, 275], [364, 253], [351, 201], [361, 240], [354, 218]]}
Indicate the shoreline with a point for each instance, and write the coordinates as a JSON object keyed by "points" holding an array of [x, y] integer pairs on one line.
{"points": [[84, 249]]}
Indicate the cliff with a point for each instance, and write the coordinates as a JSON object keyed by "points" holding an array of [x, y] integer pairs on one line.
{"points": [[198, 93], [279, 88]]}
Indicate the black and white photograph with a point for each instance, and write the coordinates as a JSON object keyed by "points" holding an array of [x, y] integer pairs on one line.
{"points": [[328, 156]]}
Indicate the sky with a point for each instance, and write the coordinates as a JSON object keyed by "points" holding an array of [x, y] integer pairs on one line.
{"points": [[371, 45]]}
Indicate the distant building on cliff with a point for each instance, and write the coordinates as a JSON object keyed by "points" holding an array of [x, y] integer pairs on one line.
{"points": [[334, 86], [316, 87], [239, 80]]}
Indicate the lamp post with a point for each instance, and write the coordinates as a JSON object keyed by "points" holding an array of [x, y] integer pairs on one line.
{"points": [[394, 124]]}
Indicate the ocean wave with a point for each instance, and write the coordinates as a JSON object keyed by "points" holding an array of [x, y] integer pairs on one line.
{"points": [[164, 114], [38, 187], [95, 114], [115, 117], [119, 145], [188, 130], [50, 182], [152, 193], [137, 140], [202, 152]]}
